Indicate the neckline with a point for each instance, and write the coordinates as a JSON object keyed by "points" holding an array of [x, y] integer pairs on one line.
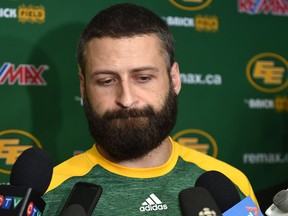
{"points": [[97, 158]]}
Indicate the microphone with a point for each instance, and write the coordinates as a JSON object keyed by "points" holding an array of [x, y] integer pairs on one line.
{"points": [[197, 201], [29, 179], [82, 199], [280, 204], [226, 195], [244, 207], [281, 200], [221, 189]]}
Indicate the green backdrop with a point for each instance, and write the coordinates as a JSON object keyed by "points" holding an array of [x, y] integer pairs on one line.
{"points": [[233, 61]]}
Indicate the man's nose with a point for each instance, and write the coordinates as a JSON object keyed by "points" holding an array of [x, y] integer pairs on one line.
{"points": [[125, 95]]}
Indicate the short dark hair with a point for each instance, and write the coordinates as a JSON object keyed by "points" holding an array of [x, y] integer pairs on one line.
{"points": [[126, 20]]}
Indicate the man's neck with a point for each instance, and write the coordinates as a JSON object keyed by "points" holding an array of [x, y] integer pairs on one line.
{"points": [[155, 158]]}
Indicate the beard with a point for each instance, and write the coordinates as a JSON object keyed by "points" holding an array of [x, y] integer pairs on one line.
{"points": [[128, 134]]}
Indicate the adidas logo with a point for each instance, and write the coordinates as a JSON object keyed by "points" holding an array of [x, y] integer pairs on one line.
{"points": [[153, 203]]}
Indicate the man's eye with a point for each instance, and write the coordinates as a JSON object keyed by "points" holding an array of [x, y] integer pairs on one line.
{"points": [[106, 82], [143, 79]]}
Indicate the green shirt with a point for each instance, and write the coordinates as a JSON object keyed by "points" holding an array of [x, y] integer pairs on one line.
{"points": [[130, 191]]}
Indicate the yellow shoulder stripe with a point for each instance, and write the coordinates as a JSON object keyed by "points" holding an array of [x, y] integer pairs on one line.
{"points": [[78, 165], [207, 163]]}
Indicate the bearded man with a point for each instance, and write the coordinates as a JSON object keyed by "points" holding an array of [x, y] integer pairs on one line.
{"points": [[129, 82]]}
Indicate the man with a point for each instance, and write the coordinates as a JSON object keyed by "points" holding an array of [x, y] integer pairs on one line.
{"points": [[129, 83]]}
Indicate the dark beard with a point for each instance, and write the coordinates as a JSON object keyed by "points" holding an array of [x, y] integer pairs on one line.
{"points": [[127, 134]]}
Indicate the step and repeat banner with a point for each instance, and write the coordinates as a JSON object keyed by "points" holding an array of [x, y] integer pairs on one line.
{"points": [[233, 60]]}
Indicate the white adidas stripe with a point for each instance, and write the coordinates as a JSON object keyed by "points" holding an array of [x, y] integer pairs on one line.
{"points": [[155, 198], [152, 200]]}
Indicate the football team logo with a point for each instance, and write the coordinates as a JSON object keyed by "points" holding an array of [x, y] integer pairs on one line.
{"points": [[268, 72], [191, 5], [12, 144], [198, 140]]}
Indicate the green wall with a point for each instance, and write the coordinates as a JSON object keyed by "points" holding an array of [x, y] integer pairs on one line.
{"points": [[233, 61]]}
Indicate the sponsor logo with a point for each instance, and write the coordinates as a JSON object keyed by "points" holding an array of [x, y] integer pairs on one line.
{"points": [[265, 7], [279, 103], [198, 140], [257, 103], [153, 203], [191, 5], [268, 72], [207, 212], [187, 22], [12, 144], [200, 79], [265, 158], [31, 14], [201, 23], [24, 74], [8, 13], [206, 23]]}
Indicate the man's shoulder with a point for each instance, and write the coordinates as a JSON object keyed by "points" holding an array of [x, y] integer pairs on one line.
{"points": [[204, 161], [77, 165], [207, 163]]}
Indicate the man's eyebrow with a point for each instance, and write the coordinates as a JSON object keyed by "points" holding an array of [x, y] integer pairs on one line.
{"points": [[97, 72], [145, 68]]}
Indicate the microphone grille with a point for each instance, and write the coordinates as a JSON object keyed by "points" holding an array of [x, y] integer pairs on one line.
{"points": [[280, 200]]}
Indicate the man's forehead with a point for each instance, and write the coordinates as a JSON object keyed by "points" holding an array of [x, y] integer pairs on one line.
{"points": [[132, 39]]}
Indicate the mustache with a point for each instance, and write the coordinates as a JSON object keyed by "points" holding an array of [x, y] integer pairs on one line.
{"points": [[129, 113]]}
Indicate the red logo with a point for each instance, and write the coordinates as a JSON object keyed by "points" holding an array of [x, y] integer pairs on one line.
{"points": [[273, 7], [24, 74], [252, 209], [30, 209]]}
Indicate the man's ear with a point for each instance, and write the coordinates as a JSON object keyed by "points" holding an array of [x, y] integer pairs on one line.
{"points": [[82, 81], [175, 77]]}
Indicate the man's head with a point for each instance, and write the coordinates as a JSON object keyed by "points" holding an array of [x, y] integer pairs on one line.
{"points": [[126, 20], [128, 80]]}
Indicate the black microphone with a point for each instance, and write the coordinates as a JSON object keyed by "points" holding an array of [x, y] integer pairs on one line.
{"points": [[29, 179], [197, 201], [221, 189], [82, 199], [226, 195]]}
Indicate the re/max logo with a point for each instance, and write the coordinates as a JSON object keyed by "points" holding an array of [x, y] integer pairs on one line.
{"points": [[24, 74], [10, 203]]}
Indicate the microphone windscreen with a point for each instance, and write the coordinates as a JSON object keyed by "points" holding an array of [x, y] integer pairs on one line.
{"points": [[221, 189], [197, 201], [280, 200], [33, 168]]}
